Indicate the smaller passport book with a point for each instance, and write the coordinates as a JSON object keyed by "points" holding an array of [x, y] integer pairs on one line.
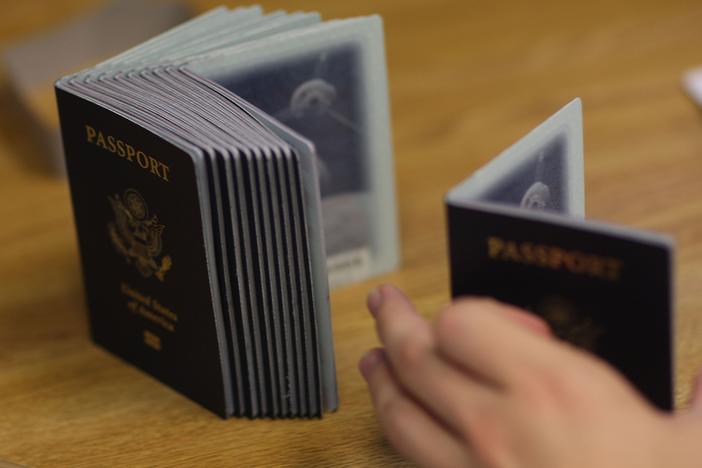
{"points": [[208, 168], [517, 233]]}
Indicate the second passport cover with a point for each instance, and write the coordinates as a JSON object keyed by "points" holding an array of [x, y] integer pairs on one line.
{"points": [[516, 233]]}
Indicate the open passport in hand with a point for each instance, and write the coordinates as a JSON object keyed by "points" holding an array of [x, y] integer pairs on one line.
{"points": [[517, 233], [209, 167]]}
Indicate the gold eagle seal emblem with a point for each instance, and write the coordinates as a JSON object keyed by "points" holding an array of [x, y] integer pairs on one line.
{"points": [[136, 234], [568, 323]]}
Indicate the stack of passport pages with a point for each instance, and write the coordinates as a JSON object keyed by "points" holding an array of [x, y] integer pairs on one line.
{"points": [[209, 227]]}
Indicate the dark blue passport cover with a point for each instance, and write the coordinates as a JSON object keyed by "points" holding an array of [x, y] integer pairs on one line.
{"points": [[605, 289], [139, 222]]}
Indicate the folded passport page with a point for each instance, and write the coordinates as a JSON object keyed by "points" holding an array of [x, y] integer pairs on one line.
{"points": [[197, 200], [517, 233]]}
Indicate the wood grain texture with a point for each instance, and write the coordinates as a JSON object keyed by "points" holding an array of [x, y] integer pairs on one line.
{"points": [[466, 79]]}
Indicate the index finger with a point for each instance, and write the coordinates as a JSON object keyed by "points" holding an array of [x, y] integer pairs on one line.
{"points": [[410, 345]]}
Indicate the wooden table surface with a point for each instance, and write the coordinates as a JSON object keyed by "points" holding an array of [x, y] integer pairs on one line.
{"points": [[466, 80]]}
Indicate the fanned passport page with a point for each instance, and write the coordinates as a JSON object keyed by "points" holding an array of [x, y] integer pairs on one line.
{"points": [[208, 168], [517, 233]]}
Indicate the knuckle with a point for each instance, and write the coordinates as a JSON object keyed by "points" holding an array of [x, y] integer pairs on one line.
{"points": [[386, 407], [534, 392], [563, 381], [469, 422], [410, 352], [447, 320], [377, 378], [484, 430], [394, 413], [461, 314], [559, 386], [394, 417]]}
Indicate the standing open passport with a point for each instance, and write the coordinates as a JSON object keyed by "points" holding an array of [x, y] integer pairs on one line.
{"points": [[203, 212], [517, 233]]}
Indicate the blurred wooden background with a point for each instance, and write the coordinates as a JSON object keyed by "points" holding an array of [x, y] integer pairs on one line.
{"points": [[466, 80]]}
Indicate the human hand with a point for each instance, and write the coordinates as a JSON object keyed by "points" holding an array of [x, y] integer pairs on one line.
{"points": [[487, 386]]}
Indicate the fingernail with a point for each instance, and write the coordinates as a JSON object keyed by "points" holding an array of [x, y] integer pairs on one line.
{"points": [[369, 361], [374, 301]]}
